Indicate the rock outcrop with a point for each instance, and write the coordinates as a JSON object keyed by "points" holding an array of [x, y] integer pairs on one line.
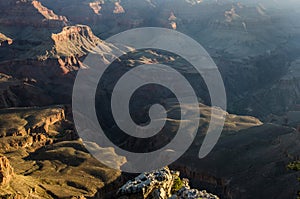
{"points": [[32, 128], [4, 39], [149, 184], [43, 149], [118, 8], [160, 184], [21, 122], [6, 171], [96, 6], [73, 42], [47, 13], [29, 13]]}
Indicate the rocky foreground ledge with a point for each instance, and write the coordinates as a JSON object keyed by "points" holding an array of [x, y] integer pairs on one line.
{"points": [[161, 184]]}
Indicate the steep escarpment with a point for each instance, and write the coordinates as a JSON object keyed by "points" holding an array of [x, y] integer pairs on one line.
{"points": [[235, 34], [29, 127], [74, 42], [243, 164], [47, 13], [28, 13], [39, 75], [30, 25], [40, 149], [42, 155]]}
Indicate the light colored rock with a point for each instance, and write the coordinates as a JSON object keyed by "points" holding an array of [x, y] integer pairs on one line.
{"points": [[156, 184], [6, 171]]}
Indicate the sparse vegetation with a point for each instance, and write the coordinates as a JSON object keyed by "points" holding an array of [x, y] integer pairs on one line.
{"points": [[295, 166], [177, 184]]}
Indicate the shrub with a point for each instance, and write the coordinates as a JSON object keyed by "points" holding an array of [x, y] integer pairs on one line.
{"points": [[295, 166], [177, 184]]}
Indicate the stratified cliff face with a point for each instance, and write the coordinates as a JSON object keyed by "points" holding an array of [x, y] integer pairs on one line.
{"points": [[28, 12], [74, 42], [250, 163], [47, 13], [30, 25], [43, 158], [29, 127], [44, 73], [237, 36], [42, 48]]}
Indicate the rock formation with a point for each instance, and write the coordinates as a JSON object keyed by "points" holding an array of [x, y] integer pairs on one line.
{"points": [[6, 171], [47, 13], [4, 39], [73, 42], [41, 48], [14, 123], [161, 184], [36, 14], [43, 149], [96, 6], [118, 8]]}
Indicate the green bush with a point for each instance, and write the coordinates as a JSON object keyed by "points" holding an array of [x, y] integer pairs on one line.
{"points": [[295, 166], [177, 184]]}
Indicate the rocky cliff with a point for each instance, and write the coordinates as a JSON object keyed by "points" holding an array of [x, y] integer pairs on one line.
{"points": [[47, 13], [43, 158], [161, 184], [29, 127], [29, 12], [235, 34], [74, 42], [42, 48], [6, 171]]}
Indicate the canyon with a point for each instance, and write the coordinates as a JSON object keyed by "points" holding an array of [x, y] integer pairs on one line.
{"points": [[43, 44]]}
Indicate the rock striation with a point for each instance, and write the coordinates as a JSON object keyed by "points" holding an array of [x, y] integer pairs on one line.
{"points": [[29, 13], [74, 42], [47, 13], [28, 121], [31, 128]]}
